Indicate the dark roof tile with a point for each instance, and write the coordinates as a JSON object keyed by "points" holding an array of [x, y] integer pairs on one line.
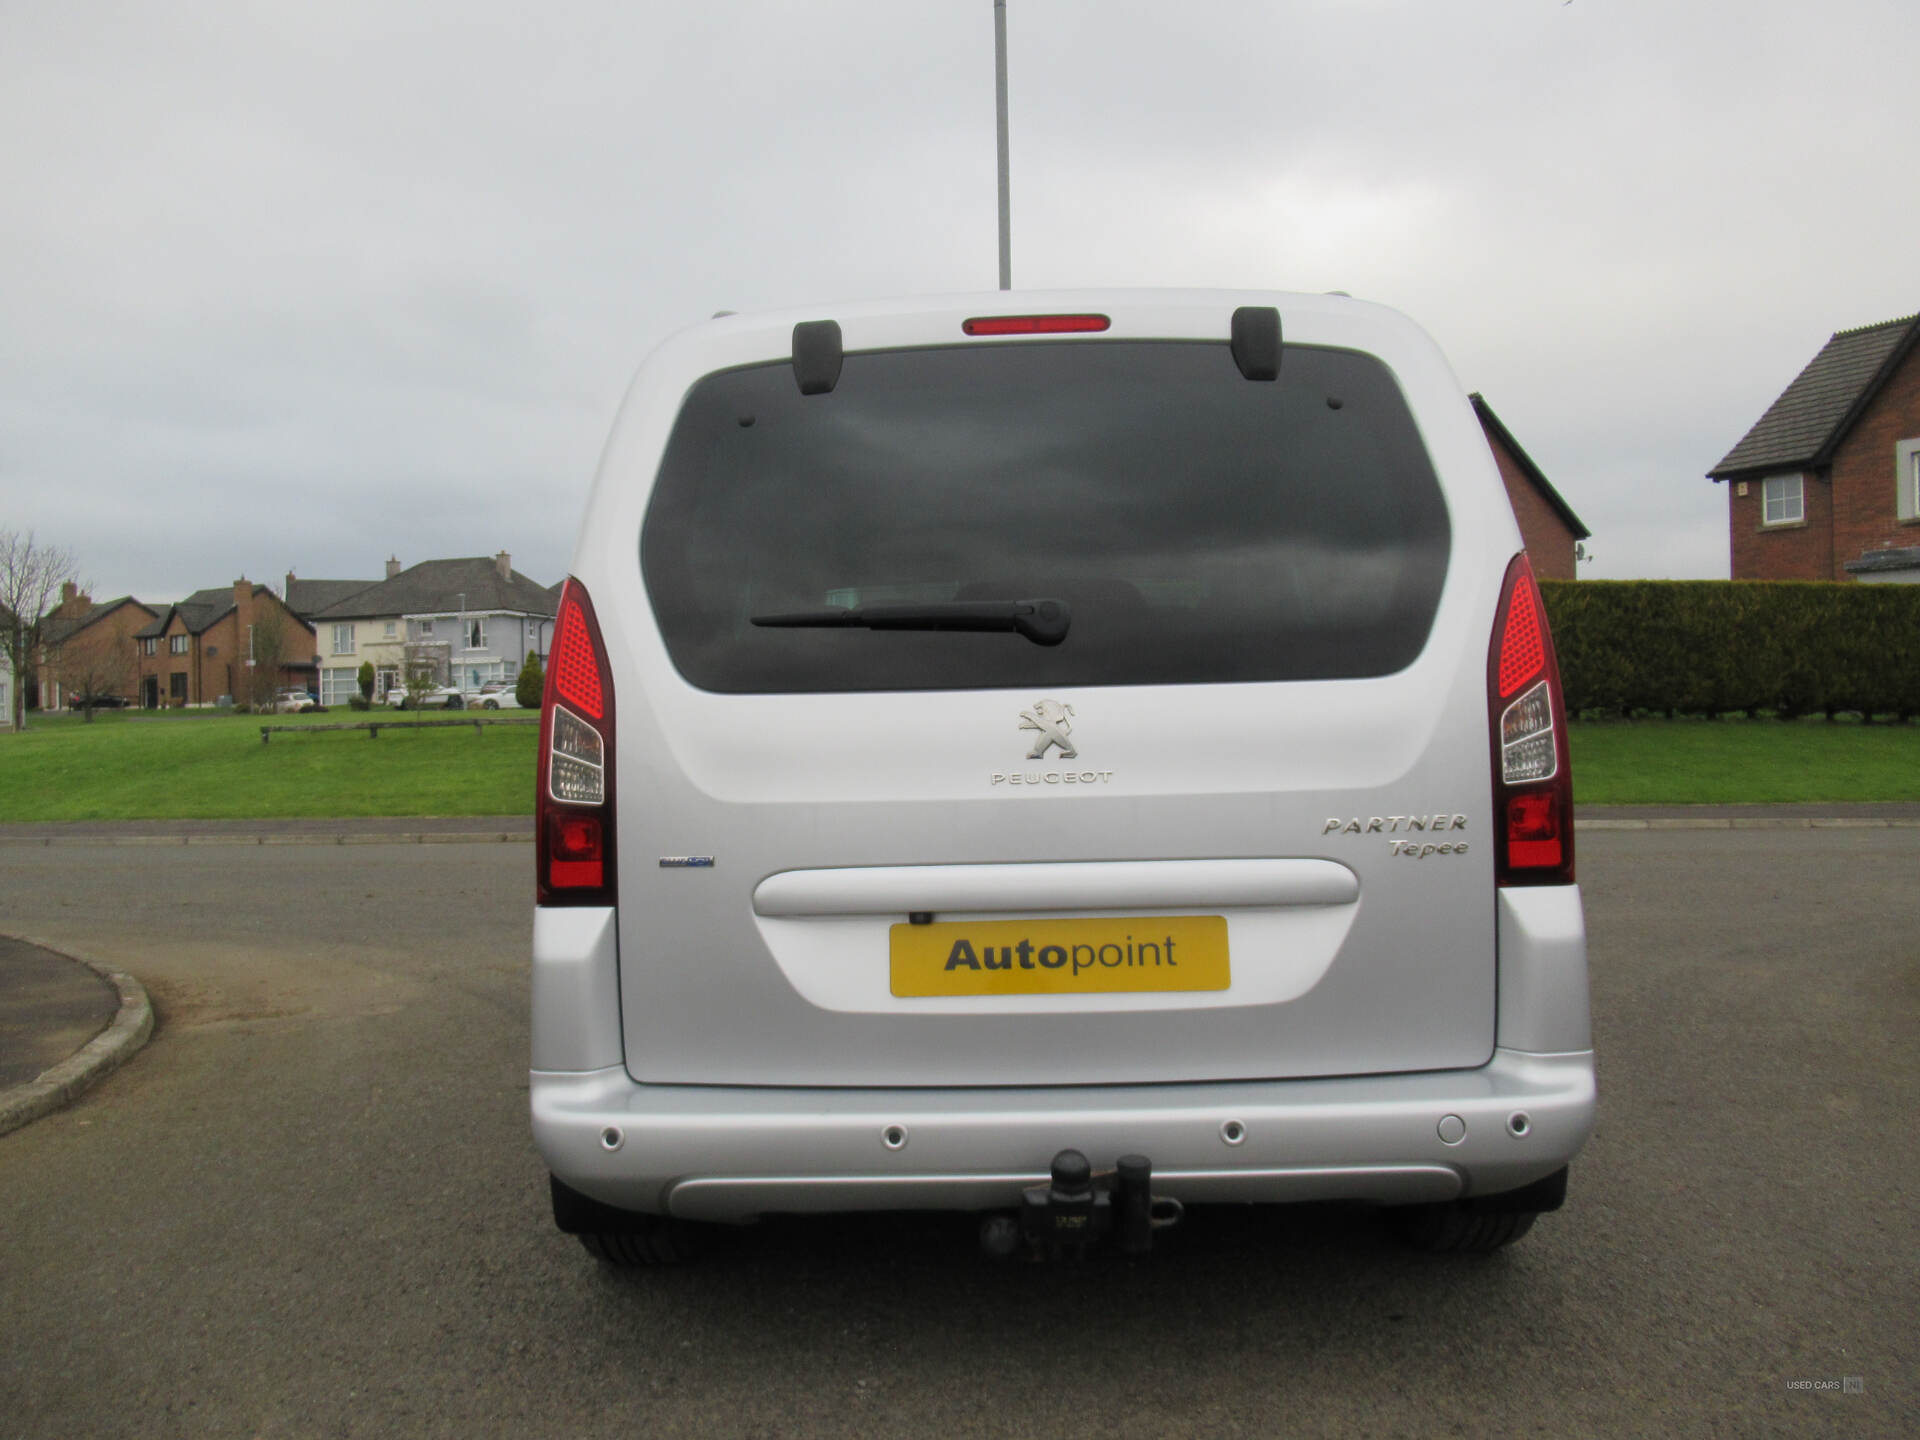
{"points": [[200, 610], [1906, 557], [307, 598], [436, 586], [1812, 415], [57, 629]]}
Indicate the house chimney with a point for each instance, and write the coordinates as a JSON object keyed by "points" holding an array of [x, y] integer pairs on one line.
{"points": [[503, 562], [68, 590], [393, 566], [289, 590]]}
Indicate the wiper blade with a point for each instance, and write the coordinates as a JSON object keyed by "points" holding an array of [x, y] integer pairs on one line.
{"points": [[1044, 622]]}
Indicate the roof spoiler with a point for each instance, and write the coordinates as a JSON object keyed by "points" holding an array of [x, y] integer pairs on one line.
{"points": [[817, 350]]}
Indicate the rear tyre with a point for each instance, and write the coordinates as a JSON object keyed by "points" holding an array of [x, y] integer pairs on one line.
{"points": [[667, 1242], [623, 1238], [1451, 1230], [1480, 1223]]}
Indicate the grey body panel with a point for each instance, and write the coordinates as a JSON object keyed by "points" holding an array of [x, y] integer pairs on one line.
{"points": [[1411, 985]]}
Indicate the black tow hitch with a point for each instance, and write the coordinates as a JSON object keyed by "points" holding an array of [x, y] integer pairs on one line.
{"points": [[1078, 1210]]}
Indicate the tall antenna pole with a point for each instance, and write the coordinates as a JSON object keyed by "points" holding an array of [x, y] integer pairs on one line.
{"points": [[1000, 104]]}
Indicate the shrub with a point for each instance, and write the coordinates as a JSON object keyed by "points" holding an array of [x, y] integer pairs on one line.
{"points": [[365, 680], [532, 682], [359, 702], [1713, 646]]}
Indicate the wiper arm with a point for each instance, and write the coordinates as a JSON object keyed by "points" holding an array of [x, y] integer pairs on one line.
{"points": [[1044, 622]]}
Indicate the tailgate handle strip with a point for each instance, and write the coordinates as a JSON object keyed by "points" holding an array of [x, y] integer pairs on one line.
{"points": [[1068, 885]]}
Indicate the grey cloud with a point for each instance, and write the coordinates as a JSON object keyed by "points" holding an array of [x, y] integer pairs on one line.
{"points": [[306, 285]]}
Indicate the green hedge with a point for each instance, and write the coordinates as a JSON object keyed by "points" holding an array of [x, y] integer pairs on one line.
{"points": [[1713, 646]]}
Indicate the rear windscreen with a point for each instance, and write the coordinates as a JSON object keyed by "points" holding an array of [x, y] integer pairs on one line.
{"points": [[1198, 526]]}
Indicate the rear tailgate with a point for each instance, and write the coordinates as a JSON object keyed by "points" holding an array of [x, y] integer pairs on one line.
{"points": [[1234, 826]]}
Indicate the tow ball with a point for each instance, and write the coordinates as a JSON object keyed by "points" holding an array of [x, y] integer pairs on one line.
{"points": [[1077, 1210]]}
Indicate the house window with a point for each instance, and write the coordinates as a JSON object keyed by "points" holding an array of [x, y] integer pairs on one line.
{"points": [[426, 629], [1783, 500], [149, 645], [476, 635], [383, 681], [387, 629], [337, 683], [1906, 471], [176, 644], [343, 639]]}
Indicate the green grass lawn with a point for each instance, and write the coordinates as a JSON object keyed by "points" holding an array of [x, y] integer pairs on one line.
{"points": [[204, 766], [1733, 762]]}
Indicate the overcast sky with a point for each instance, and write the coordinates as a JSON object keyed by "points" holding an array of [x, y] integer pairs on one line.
{"points": [[300, 286]]}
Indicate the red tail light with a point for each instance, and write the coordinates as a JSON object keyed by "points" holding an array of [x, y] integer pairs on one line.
{"points": [[1532, 777], [574, 802], [576, 668]]}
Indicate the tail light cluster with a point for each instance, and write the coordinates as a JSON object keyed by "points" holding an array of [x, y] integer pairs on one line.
{"points": [[1532, 777], [573, 805]]}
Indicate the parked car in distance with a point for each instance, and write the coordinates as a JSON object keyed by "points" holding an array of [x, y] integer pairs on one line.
{"points": [[440, 697], [494, 695], [1066, 757], [98, 702], [293, 702], [400, 698]]}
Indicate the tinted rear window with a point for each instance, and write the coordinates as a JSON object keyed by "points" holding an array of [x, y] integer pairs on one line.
{"points": [[1202, 528]]}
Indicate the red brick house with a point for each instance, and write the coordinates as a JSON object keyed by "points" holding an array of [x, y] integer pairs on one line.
{"points": [[87, 649], [241, 642], [1826, 485], [1548, 526]]}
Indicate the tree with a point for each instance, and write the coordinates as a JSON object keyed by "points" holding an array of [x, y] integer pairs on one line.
{"points": [[267, 650], [31, 575], [365, 679], [91, 663], [420, 669], [530, 688]]}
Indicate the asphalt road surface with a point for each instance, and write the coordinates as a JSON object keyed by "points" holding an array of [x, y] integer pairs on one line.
{"points": [[311, 1206]]}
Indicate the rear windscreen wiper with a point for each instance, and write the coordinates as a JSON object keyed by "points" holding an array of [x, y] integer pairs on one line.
{"points": [[1042, 621]]}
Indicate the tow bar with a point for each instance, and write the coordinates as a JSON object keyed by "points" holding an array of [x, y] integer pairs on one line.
{"points": [[1078, 1209]]}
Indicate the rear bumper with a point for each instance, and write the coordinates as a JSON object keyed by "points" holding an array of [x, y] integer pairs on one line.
{"points": [[724, 1153]]}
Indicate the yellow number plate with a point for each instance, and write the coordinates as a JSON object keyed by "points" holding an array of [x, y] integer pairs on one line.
{"points": [[1060, 957]]}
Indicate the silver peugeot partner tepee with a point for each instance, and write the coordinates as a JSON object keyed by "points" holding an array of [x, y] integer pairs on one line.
{"points": [[1062, 756]]}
